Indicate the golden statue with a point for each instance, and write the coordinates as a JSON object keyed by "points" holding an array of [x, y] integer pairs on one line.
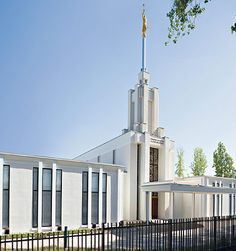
{"points": [[144, 29]]}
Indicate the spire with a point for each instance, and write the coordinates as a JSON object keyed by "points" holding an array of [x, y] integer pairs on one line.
{"points": [[144, 34], [144, 75]]}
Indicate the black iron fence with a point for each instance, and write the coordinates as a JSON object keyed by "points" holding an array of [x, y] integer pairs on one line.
{"points": [[215, 233]]}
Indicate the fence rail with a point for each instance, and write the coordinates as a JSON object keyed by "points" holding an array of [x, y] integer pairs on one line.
{"points": [[215, 233]]}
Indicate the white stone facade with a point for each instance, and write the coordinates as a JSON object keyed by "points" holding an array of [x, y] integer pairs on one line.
{"points": [[21, 191]]}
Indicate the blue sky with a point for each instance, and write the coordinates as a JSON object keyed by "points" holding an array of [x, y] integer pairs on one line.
{"points": [[66, 67]]}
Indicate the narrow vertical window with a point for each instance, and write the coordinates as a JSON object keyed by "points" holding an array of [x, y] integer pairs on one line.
{"points": [[234, 210], [85, 198], [98, 159], [5, 199], [221, 201], [230, 204], [213, 200], [218, 201], [35, 197], [58, 196], [104, 197], [154, 155], [234, 204], [95, 197], [230, 201], [47, 198], [114, 157]]}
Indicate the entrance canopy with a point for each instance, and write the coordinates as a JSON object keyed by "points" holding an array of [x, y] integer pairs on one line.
{"points": [[184, 188]]}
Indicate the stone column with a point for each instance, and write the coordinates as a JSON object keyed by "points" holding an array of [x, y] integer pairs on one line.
{"points": [[171, 205], [54, 167], [100, 196], [148, 206], [40, 187], [108, 199], [89, 196], [193, 205], [119, 196]]}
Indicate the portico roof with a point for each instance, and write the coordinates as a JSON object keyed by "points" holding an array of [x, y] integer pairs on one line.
{"points": [[184, 188]]}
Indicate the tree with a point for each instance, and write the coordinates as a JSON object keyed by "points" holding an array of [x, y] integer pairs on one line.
{"points": [[180, 163], [222, 162], [182, 17], [199, 163]]}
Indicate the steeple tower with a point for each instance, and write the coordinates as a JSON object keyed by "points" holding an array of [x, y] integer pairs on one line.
{"points": [[143, 101]]}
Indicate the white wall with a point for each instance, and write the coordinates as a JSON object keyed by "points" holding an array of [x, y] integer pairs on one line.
{"points": [[71, 196], [20, 195], [21, 177]]}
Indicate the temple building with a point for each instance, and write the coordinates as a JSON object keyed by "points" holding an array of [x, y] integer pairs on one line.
{"points": [[131, 177]]}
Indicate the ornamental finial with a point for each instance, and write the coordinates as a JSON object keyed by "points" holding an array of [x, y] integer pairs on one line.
{"points": [[144, 28]]}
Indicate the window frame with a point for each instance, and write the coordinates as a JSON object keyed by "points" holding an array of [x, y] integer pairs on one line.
{"points": [[114, 157], [93, 193], [84, 193], [104, 194], [8, 189], [58, 191], [153, 166], [47, 225], [35, 190]]}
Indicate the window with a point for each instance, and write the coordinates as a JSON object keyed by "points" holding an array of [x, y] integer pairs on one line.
{"points": [[98, 159], [85, 198], [113, 156], [234, 204], [104, 197], [47, 198], [35, 197], [213, 200], [218, 201], [154, 152], [58, 196], [218, 204], [5, 199], [95, 197], [230, 204]]}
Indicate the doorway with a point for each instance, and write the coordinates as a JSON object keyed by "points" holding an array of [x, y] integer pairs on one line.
{"points": [[154, 206]]}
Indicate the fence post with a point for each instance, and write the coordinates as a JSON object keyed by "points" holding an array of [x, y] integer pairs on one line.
{"points": [[65, 237], [103, 236], [170, 234], [214, 232], [233, 230]]}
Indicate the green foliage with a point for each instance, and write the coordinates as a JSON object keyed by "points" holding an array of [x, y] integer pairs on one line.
{"points": [[222, 162], [180, 163], [182, 17], [233, 28], [199, 163]]}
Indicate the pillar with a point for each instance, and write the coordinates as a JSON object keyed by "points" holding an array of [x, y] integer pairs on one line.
{"points": [[148, 206], [40, 186], [100, 196], [193, 205], [155, 109], [120, 196], [1, 188], [166, 169], [108, 199], [54, 167], [89, 196], [171, 205]]}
